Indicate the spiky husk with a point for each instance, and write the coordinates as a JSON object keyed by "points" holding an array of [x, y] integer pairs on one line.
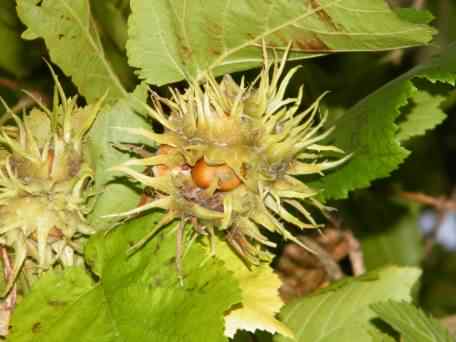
{"points": [[45, 182], [260, 135]]}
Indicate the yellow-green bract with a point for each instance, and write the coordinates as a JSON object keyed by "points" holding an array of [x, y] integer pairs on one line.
{"points": [[257, 132], [44, 185]]}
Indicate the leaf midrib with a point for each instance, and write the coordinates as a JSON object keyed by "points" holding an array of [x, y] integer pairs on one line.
{"points": [[219, 61], [98, 53]]}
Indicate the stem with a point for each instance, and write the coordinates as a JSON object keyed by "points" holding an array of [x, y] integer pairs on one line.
{"points": [[331, 267], [10, 301], [355, 254], [179, 250], [442, 205]]}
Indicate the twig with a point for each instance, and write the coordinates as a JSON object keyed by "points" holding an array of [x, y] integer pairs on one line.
{"points": [[396, 57], [432, 235], [442, 205], [443, 23], [439, 203], [179, 250], [355, 254], [450, 323], [419, 4], [9, 303], [10, 84], [331, 267], [23, 103]]}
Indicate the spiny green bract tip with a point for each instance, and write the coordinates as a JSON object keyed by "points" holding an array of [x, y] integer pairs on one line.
{"points": [[45, 183], [233, 157]]}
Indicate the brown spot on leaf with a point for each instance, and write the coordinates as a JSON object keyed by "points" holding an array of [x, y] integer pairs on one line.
{"points": [[171, 261], [156, 249], [302, 41], [283, 39], [185, 50], [56, 303], [324, 16], [36, 327], [313, 44], [214, 28], [214, 51], [157, 281]]}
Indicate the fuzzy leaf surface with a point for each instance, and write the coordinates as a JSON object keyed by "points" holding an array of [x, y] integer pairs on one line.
{"points": [[116, 195], [424, 115], [369, 129], [172, 40], [260, 296], [379, 336], [411, 322], [60, 304], [113, 16], [341, 311], [74, 44], [151, 304], [137, 298]]}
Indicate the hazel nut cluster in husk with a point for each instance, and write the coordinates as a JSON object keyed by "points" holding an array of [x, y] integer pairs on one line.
{"points": [[231, 157], [45, 183]]}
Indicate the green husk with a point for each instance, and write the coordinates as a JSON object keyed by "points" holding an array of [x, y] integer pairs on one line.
{"points": [[261, 135], [45, 183]]}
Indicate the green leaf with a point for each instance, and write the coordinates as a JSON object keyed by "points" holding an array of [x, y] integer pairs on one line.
{"points": [[414, 16], [138, 297], [17, 56], [11, 58], [172, 40], [117, 195], [113, 16], [146, 287], [411, 322], [341, 312], [393, 239], [369, 129], [260, 336], [74, 44], [260, 295], [58, 303], [379, 336], [423, 116]]}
